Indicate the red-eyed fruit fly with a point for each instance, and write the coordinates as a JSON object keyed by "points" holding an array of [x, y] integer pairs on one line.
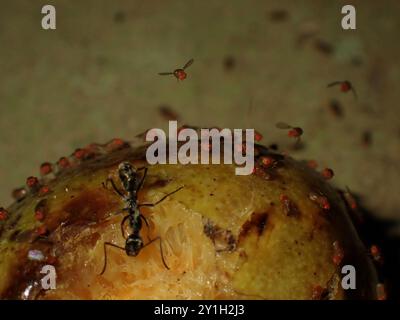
{"points": [[319, 199], [318, 293], [376, 254], [180, 74], [327, 173], [3, 214], [257, 136], [345, 86], [294, 132], [381, 291], [351, 201], [338, 253]]}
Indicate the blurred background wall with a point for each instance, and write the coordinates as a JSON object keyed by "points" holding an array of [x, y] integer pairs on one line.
{"points": [[256, 63]]}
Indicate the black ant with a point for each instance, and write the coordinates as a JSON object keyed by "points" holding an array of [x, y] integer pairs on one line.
{"points": [[131, 183]]}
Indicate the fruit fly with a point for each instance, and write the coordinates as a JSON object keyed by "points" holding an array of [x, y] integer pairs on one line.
{"points": [[319, 199], [345, 86], [3, 214], [338, 253], [132, 183], [381, 291], [376, 254], [319, 293], [352, 204], [294, 132], [327, 173], [180, 74]]}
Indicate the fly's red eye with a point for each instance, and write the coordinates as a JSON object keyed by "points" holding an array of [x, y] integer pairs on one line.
{"points": [[375, 250], [322, 201], [32, 182], [292, 133], [257, 136], [41, 231], [267, 161], [79, 154], [295, 132], [182, 75], [44, 190], [345, 86], [63, 163], [325, 203], [312, 164], [45, 168], [39, 215], [3, 214], [327, 173], [118, 142], [338, 253]]}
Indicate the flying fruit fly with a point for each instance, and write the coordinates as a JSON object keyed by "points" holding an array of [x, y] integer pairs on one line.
{"points": [[293, 132], [345, 86], [179, 74]]}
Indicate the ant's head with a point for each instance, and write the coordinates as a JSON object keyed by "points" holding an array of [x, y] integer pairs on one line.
{"points": [[133, 245], [127, 174]]}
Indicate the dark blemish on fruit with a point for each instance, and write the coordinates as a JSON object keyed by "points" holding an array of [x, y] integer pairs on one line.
{"points": [[289, 207], [222, 239], [257, 223], [89, 207]]}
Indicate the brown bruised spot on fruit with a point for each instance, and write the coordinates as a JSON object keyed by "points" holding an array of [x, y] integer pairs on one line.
{"points": [[256, 223], [89, 206], [223, 240]]}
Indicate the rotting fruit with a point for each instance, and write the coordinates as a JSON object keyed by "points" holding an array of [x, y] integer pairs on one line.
{"points": [[280, 233]]}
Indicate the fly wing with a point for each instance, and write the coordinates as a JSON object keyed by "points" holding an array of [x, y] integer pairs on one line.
{"points": [[188, 64], [334, 83], [282, 125], [165, 73]]}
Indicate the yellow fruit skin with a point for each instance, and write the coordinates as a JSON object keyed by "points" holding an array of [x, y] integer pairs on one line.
{"points": [[223, 236]]}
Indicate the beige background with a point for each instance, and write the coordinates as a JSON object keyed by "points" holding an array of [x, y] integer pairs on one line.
{"points": [[95, 78]]}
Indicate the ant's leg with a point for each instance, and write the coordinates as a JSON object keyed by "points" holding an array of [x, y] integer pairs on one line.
{"points": [[144, 177], [162, 199], [147, 224], [109, 180], [122, 226], [161, 250], [105, 254]]}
